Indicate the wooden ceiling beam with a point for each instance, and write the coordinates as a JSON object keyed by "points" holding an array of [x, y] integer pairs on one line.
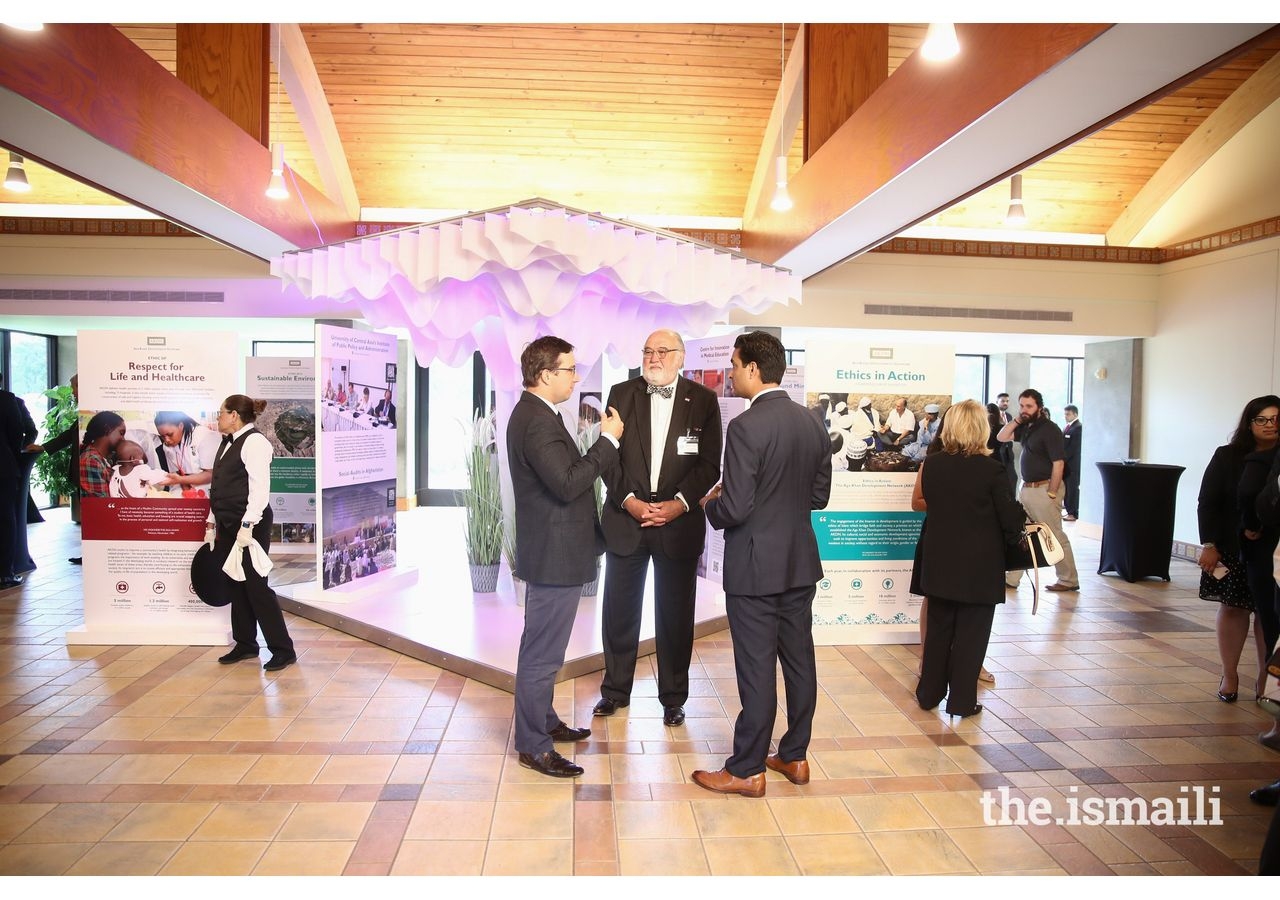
{"points": [[306, 93], [931, 135], [86, 101], [1237, 111]]}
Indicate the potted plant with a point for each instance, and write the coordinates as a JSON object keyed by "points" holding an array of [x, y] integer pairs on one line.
{"points": [[483, 504], [52, 469], [586, 437]]}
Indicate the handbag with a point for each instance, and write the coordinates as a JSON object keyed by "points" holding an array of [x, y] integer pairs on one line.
{"points": [[1037, 547]]}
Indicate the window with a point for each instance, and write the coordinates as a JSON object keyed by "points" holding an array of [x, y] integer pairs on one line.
{"points": [[971, 378], [1060, 380]]}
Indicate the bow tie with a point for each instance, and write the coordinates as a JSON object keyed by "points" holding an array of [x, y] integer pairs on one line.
{"points": [[227, 439], [666, 392]]}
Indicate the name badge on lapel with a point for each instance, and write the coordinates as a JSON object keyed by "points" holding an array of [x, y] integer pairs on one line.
{"points": [[687, 444]]}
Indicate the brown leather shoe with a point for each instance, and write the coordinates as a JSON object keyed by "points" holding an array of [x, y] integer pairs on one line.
{"points": [[725, 782], [797, 771], [1059, 586]]}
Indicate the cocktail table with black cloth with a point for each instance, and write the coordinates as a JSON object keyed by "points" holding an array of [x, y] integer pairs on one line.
{"points": [[1137, 519]]}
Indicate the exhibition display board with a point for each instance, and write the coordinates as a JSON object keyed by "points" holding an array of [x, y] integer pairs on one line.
{"points": [[288, 386], [357, 509], [151, 398], [867, 534]]}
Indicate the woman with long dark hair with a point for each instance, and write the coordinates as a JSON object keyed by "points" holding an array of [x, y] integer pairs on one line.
{"points": [[239, 514], [186, 451], [972, 518], [104, 431], [1222, 557]]}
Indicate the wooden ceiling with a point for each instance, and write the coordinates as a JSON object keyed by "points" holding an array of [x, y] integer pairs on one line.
{"points": [[632, 120]]}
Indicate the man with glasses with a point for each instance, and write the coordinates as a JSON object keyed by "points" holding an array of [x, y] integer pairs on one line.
{"points": [[1043, 461], [669, 459], [557, 541]]}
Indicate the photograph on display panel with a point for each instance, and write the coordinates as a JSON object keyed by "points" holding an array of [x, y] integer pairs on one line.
{"points": [[878, 432]]}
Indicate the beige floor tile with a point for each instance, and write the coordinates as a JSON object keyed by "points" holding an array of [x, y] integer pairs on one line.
{"points": [[481, 769], [154, 705], [212, 769], [40, 859], [750, 856], [67, 822], [918, 761], [954, 809], [275, 768], [188, 729], [233, 858], [65, 768], [812, 815], [670, 857], [325, 822], [317, 730], [998, 849], [368, 769], [381, 729], [439, 857], [852, 763], [645, 768], [243, 822], [734, 817], [886, 724], [146, 858], [534, 857], [460, 820], [1111, 753], [121, 729], [411, 768], [835, 854], [919, 852], [142, 768], [653, 820], [544, 819], [305, 858], [254, 728], [333, 708], [160, 822], [1171, 750], [18, 818], [216, 705], [889, 812]]}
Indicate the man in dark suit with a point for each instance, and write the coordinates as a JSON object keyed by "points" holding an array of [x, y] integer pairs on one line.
{"points": [[557, 535], [669, 459], [1071, 435], [386, 409], [777, 468], [16, 432]]}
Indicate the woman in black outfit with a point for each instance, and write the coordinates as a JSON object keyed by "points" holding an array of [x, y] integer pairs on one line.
{"points": [[1221, 531], [972, 518], [240, 512]]}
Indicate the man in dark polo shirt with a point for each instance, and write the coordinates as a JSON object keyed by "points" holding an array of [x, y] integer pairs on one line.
{"points": [[1043, 459]]}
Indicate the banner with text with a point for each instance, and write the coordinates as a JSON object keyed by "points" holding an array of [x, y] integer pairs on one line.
{"points": [[876, 401], [148, 424], [288, 385], [358, 422]]}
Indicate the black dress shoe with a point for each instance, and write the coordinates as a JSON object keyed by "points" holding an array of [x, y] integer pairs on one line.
{"points": [[277, 662], [75, 560], [550, 763], [1266, 796], [964, 715], [563, 734], [237, 654], [10, 581], [673, 715], [607, 707]]}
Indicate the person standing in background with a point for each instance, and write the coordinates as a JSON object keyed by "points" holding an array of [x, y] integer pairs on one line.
{"points": [[16, 433], [1071, 436]]}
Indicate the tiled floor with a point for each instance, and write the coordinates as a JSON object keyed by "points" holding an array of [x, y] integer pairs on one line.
{"points": [[146, 760]]}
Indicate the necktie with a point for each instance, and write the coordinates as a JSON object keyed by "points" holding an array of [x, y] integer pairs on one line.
{"points": [[666, 392]]}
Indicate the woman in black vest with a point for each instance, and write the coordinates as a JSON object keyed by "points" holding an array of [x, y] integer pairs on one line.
{"points": [[240, 512]]}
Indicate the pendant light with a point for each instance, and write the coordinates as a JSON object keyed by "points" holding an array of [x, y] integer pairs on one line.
{"points": [[15, 178], [940, 43], [1016, 217], [276, 188]]}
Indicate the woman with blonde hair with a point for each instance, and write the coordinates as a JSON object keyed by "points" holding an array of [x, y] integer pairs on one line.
{"points": [[972, 519]]}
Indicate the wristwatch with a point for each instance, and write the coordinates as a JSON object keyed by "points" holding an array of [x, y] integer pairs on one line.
{"points": [[246, 524]]}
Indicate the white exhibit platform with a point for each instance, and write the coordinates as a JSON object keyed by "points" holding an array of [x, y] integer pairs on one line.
{"points": [[437, 618]]}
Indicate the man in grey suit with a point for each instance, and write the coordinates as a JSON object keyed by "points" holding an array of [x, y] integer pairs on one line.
{"points": [[557, 541], [777, 468]]}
